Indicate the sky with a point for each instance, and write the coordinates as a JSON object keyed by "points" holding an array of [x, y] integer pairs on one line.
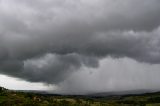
{"points": [[80, 46]]}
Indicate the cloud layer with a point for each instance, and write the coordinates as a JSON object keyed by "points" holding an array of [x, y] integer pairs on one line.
{"points": [[47, 40]]}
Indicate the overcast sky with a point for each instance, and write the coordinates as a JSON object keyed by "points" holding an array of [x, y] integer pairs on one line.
{"points": [[80, 46]]}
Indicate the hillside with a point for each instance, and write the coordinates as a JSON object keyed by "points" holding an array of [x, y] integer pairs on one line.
{"points": [[14, 98]]}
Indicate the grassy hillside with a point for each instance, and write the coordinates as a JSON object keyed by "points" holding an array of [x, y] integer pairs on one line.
{"points": [[12, 98]]}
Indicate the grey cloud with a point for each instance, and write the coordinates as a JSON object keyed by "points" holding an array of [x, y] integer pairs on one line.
{"points": [[53, 68], [75, 34]]}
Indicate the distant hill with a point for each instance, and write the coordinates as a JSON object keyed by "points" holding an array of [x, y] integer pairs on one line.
{"points": [[103, 94], [120, 93]]}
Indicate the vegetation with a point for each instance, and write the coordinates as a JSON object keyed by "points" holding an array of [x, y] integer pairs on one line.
{"points": [[13, 98]]}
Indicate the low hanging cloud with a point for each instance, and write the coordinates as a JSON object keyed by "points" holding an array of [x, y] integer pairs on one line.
{"points": [[122, 74], [47, 40]]}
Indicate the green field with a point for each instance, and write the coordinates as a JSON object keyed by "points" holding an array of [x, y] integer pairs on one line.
{"points": [[12, 98]]}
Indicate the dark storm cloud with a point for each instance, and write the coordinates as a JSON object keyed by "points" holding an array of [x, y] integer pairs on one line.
{"points": [[53, 68], [46, 40]]}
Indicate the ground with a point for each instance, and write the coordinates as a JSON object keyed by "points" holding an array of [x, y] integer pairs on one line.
{"points": [[13, 98]]}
